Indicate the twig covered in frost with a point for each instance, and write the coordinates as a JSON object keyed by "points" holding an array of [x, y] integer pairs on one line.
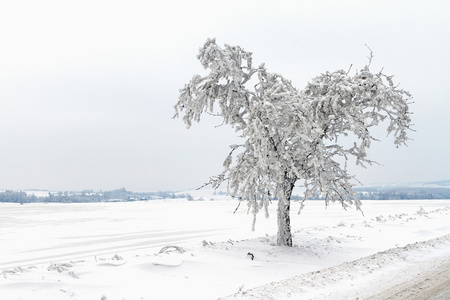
{"points": [[172, 248]]}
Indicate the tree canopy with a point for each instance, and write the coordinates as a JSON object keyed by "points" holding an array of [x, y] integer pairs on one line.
{"points": [[290, 134]]}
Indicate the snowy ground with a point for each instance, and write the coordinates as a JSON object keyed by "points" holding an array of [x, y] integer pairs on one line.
{"points": [[111, 251]]}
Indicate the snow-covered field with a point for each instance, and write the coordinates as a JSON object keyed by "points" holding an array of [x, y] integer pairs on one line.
{"points": [[112, 251]]}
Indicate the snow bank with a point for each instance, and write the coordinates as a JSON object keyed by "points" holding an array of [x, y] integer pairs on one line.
{"points": [[381, 274]]}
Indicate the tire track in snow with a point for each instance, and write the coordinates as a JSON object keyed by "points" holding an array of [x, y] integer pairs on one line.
{"points": [[112, 245], [123, 237]]}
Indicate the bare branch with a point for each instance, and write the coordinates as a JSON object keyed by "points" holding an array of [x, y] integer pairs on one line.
{"points": [[370, 57], [349, 69]]}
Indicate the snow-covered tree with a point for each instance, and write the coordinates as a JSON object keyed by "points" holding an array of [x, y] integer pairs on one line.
{"points": [[291, 135]]}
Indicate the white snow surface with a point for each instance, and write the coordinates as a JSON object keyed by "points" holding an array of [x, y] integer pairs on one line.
{"points": [[112, 250]]}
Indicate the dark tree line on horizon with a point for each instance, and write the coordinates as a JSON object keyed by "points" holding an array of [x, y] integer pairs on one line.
{"points": [[407, 193], [86, 196], [122, 195]]}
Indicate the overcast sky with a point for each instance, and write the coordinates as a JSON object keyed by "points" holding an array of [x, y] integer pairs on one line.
{"points": [[87, 88]]}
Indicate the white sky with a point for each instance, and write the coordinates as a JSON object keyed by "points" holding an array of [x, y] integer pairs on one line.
{"points": [[87, 88]]}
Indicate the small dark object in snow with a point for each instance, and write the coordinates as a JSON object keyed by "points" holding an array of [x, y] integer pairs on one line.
{"points": [[251, 255]]}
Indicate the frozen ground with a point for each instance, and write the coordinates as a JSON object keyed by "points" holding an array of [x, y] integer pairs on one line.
{"points": [[112, 251]]}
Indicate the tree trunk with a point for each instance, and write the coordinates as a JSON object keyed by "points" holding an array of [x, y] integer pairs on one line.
{"points": [[284, 237]]}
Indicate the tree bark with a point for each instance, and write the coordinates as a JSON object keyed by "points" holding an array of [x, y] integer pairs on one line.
{"points": [[284, 237]]}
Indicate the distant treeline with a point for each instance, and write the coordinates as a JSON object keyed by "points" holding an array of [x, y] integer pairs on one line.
{"points": [[406, 193], [119, 195], [122, 195], [402, 193], [393, 194]]}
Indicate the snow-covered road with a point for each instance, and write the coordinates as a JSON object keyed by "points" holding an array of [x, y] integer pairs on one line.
{"points": [[431, 284]]}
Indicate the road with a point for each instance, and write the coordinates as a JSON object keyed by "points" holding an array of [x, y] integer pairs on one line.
{"points": [[432, 285]]}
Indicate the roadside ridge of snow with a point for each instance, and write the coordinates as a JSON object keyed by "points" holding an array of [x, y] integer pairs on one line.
{"points": [[361, 278]]}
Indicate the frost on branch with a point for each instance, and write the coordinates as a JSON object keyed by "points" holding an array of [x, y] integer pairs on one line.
{"points": [[290, 135]]}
